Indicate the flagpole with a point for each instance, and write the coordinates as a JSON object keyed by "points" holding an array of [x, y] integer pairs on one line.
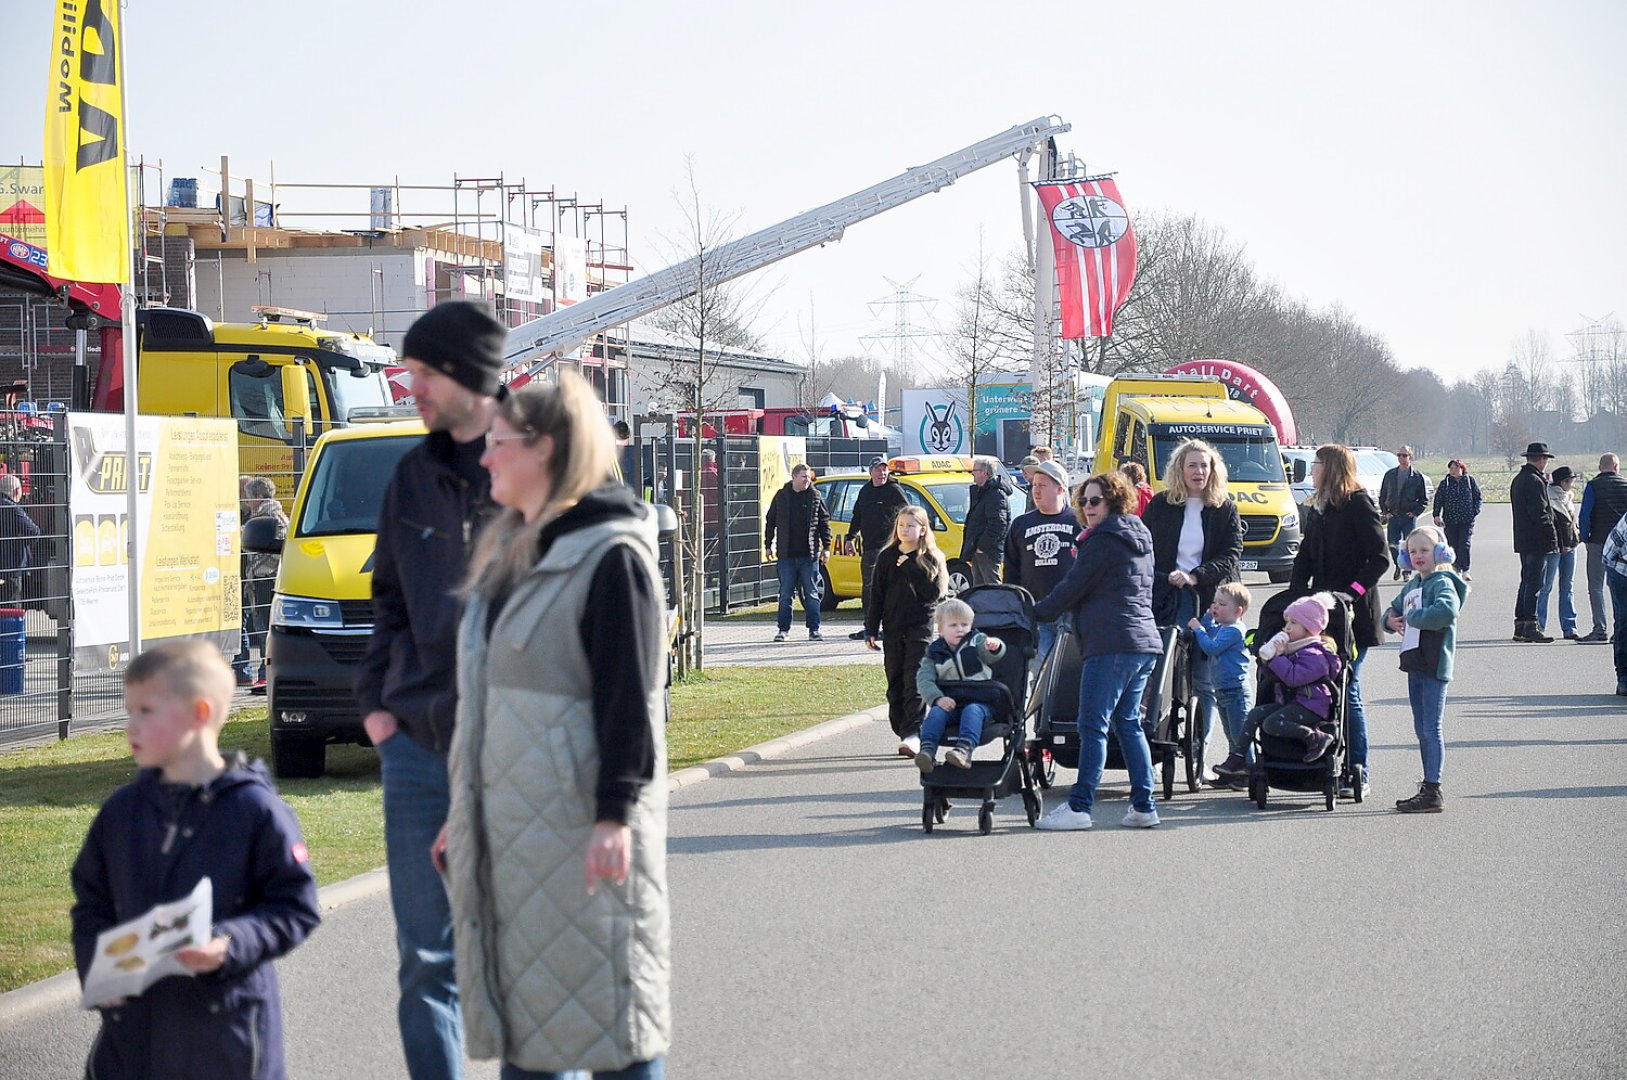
{"points": [[127, 314]]}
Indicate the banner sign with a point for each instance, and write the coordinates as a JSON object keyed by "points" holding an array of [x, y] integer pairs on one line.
{"points": [[999, 402], [22, 204], [522, 264], [570, 270], [186, 485], [1095, 253], [935, 422], [776, 456], [87, 189], [1245, 384]]}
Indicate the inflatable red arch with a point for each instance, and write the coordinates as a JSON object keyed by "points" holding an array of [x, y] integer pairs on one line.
{"points": [[1245, 384]]}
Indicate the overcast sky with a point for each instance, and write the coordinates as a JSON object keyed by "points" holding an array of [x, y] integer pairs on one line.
{"points": [[1453, 173]]}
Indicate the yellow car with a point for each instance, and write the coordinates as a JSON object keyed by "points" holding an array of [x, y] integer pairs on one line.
{"points": [[942, 486]]}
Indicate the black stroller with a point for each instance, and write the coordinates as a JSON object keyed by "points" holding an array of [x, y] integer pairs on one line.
{"points": [[1005, 612], [1278, 762], [1170, 713]]}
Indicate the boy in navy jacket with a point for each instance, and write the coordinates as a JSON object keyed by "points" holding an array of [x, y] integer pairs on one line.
{"points": [[191, 814]]}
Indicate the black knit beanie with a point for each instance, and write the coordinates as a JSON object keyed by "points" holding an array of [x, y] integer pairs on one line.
{"points": [[462, 340]]}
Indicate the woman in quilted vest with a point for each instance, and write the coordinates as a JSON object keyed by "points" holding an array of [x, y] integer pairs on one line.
{"points": [[555, 846]]}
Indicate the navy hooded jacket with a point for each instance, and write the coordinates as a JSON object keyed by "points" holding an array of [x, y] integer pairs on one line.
{"points": [[1108, 590], [152, 843]]}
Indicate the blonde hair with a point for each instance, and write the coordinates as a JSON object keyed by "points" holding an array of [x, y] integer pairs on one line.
{"points": [[1436, 538], [952, 609], [191, 670], [927, 556], [582, 458], [1214, 492], [1338, 480], [1236, 592]]}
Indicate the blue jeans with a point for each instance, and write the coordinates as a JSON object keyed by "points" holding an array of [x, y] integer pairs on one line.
{"points": [[1110, 689], [1396, 530], [416, 795], [1357, 715], [640, 1070], [1428, 697], [1560, 564], [799, 574], [1617, 584], [1234, 703], [972, 718]]}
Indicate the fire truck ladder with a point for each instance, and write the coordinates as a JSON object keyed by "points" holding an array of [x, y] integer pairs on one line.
{"points": [[530, 344]]}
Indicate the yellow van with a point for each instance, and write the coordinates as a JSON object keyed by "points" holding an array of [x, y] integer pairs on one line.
{"points": [[1145, 418], [322, 610], [940, 485]]}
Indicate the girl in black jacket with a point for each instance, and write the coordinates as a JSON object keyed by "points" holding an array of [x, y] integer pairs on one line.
{"points": [[910, 579], [1344, 550]]}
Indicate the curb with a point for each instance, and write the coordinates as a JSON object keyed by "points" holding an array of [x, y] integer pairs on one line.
{"points": [[63, 988]]}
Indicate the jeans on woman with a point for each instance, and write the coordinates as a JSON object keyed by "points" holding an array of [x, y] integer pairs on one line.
{"points": [[972, 718], [1428, 697], [1460, 537], [1561, 565], [1110, 691], [639, 1070], [1357, 716]]}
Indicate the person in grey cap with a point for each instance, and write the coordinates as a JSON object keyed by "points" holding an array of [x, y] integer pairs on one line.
{"points": [[434, 506], [1040, 543], [877, 503]]}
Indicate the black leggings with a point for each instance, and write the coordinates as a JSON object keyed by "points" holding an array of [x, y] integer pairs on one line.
{"points": [[1290, 721], [901, 657]]}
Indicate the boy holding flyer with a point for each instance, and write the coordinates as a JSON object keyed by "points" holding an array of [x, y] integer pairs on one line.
{"points": [[190, 815]]}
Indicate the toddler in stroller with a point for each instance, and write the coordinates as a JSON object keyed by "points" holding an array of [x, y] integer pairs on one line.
{"points": [[1303, 665], [957, 655]]}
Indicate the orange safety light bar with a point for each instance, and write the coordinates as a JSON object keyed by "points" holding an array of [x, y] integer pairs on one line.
{"points": [[926, 463]]}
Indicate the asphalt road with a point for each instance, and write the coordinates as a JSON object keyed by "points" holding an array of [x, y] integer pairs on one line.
{"points": [[818, 933]]}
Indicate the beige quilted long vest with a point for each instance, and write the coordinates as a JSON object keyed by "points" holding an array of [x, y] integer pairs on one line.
{"points": [[550, 978]]}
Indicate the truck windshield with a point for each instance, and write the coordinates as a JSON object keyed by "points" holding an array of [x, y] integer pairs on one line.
{"points": [[356, 391], [347, 485], [1249, 458]]}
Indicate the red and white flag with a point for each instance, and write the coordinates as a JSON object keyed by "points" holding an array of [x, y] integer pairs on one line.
{"points": [[1095, 253]]}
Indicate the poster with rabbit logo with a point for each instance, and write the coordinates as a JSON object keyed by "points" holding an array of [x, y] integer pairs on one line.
{"points": [[935, 422]]}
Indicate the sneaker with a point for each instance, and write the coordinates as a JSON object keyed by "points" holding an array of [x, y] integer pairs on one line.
{"points": [[1320, 741], [1135, 819], [1427, 801], [1064, 818], [924, 762], [1596, 637], [958, 757], [780, 636], [1572, 635], [909, 746], [857, 635], [1233, 766], [815, 635]]}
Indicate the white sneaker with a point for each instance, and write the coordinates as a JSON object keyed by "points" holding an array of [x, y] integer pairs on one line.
{"points": [[1064, 818], [1135, 819], [909, 746]]}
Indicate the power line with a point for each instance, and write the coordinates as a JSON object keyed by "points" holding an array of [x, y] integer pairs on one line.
{"points": [[903, 333]]}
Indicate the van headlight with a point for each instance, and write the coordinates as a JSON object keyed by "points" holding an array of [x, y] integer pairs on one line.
{"points": [[305, 613]]}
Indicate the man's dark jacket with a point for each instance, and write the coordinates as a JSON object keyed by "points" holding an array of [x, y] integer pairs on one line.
{"points": [[1533, 514], [988, 519], [1108, 590], [873, 512], [1400, 498], [19, 537], [788, 507], [152, 843], [1222, 548], [427, 526]]}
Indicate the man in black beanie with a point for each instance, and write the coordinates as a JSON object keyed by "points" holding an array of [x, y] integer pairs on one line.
{"points": [[433, 508]]}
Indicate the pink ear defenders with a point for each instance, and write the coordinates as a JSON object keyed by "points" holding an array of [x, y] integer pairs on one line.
{"points": [[1443, 552]]}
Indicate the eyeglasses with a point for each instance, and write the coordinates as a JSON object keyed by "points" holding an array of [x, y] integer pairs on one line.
{"points": [[1092, 500]]}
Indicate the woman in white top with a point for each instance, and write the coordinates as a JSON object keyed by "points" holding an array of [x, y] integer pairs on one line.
{"points": [[1197, 534]]}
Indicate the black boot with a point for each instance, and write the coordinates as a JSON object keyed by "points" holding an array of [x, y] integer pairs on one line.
{"points": [[1527, 631], [1428, 800]]}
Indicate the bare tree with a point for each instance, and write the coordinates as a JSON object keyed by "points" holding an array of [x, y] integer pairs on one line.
{"points": [[972, 347]]}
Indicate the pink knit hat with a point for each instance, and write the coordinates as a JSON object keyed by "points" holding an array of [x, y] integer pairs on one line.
{"points": [[1311, 612]]}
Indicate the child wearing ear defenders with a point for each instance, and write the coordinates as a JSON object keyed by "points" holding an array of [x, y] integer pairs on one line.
{"points": [[1425, 614]]}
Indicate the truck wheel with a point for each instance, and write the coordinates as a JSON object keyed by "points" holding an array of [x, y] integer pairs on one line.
{"points": [[297, 758], [960, 577], [828, 600]]}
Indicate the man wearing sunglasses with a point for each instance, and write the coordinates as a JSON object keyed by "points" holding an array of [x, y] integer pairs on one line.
{"points": [[1403, 494]]}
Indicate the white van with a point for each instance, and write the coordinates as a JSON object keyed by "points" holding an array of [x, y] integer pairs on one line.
{"points": [[1371, 465]]}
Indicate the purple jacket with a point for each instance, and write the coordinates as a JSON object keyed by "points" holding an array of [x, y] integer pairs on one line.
{"points": [[1306, 673]]}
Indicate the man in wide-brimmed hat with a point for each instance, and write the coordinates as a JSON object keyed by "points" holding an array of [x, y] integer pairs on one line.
{"points": [[1534, 537]]}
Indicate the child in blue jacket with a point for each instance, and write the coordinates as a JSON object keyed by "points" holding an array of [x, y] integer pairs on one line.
{"points": [[1219, 634], [188, 815], [1425, 613]]}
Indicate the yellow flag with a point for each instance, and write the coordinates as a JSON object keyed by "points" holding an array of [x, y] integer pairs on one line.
{"points": [[87, 187]]}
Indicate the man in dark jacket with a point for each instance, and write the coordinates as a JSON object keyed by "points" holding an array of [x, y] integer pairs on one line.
{"points": [[796, 535], [1403, 494], [406, 685], [988, 519], [877, 503], [19, 537], [1604, 502], [1534, 537]]}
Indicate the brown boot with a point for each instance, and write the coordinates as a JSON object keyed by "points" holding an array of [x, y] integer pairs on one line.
{"points": [[1428, 800]]}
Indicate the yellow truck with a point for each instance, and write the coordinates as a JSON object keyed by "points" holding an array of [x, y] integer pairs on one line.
{"points": [[1145, 417]]}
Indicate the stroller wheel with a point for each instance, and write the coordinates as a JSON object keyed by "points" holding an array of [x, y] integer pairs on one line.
{"points": [[1194, 743], [1044, 768], [1169, 776], [940, 810], [1032, 804], [928, 806], [1258, 790], [1358, 778], [1330, 790], [985, 819]]}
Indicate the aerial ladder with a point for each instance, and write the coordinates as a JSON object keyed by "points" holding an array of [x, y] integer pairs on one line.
{"points": [[532, 345]]}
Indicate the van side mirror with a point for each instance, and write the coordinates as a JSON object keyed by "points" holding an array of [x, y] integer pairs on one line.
{"points": [[296, 399], [1299, 470], [260, 536]]}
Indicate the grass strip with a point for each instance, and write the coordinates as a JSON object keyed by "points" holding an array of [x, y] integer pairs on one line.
{"points": [[49, 794]]}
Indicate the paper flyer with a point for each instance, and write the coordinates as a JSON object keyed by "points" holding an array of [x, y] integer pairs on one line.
{"points": [[1409, 636], [132, 956]]}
